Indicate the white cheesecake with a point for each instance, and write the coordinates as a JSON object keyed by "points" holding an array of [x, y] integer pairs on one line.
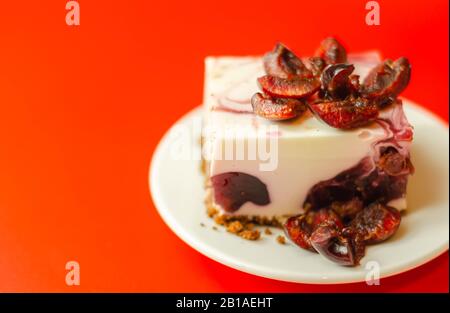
{"points": [[257, 167]]}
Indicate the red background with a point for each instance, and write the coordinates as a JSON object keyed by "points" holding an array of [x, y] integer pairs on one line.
{"points": [[82, 109]]}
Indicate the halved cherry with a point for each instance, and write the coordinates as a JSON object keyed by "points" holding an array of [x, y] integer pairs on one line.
{"points": [[299, 229], [376, 223], [387, 80], [297, 87], [335, 80], [282, 62], [331, 51], [277, 108], [334, 245], [346, 114]]}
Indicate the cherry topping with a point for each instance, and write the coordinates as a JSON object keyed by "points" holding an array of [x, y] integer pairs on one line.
{"points": [[299, 228], [288, 88], [277, 108], [387, 80], [337, 246], [332, 51], [346, 114], [342, 102], [283, 63], [336, 82]]}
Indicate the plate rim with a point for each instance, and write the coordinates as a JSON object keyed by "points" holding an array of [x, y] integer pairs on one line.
{"points": [[215, 254]]}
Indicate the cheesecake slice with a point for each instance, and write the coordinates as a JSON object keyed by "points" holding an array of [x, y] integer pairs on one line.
{"points": [[318, 145]]}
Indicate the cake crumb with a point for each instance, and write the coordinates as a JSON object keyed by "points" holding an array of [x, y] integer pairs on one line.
{"points": [[250, 234], [249, 226], [202, 224], [241, 225], [212, 212], [267, 231], [235, 227], [220, 219], [281, 239]]}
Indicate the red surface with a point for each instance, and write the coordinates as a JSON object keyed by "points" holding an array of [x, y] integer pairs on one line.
{"points": [[82, 109]]}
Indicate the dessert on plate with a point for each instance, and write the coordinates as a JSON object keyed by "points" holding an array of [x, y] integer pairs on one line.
{"points": [[319, 145]]}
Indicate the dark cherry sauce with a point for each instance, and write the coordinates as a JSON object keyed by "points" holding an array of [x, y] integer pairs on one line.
{"points": [[233, 189], [362, 181]]}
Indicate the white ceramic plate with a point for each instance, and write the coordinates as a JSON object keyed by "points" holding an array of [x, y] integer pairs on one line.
{"points": [[177, 190]]}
